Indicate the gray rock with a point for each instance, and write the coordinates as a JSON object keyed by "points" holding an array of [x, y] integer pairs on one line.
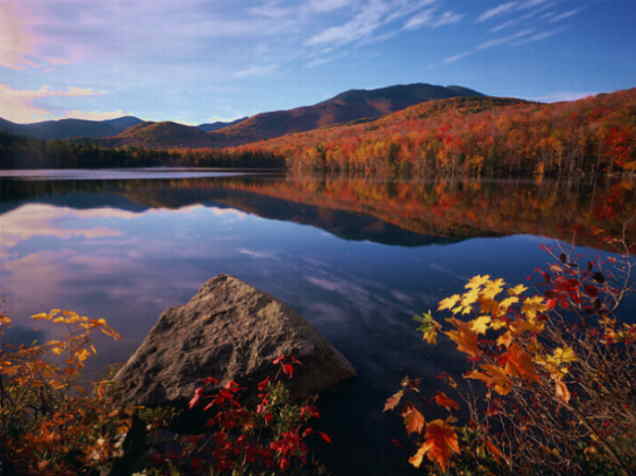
{"points": [[231, 331]]}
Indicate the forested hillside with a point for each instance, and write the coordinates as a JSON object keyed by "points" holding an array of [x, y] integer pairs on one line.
{"points": [[475, 136]]}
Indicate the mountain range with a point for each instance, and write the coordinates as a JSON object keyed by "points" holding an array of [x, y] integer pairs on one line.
{"points": [[356, 105]]}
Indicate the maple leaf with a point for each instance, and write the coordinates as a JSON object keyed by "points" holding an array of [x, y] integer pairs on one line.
{"points": [[505, 339], [414, 421], [481, 324], [477, 281], [506, 303], [429, 327], [445, 401], [493, 288], [467, 301], [393, 401], [464, 338], [519, 363], [448, 302], [439, 445], [493, 376], [533, 305], [517, 290]]}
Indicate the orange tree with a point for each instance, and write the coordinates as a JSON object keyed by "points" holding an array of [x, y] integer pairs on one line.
{"points": [[552, 382]]}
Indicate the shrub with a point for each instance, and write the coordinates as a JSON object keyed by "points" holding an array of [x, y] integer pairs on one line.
{"points": [[552, 382]]}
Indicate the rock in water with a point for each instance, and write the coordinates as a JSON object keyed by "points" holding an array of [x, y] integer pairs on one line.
{"points": [[228, 330]]}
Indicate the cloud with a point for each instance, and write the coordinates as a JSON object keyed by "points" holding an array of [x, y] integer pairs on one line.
{"points": [[504, 25], [19, 105], [503, 40], [428, 18], [538, 37], [564, 15], [496, 11], [255, 71], [327, 5], [457, 57], [95, 115], [256, 254], [369, 18], [448, 18], [562, 96], [16, 41]]}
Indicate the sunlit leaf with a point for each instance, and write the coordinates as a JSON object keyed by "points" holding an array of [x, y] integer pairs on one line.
{"points": [[445, 401], [414, 421], [481, 324], [448, 302], [393, 401], [494, 377], [439, 445]]}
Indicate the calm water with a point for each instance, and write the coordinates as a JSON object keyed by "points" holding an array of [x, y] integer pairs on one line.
{"points": [[355, 258]]}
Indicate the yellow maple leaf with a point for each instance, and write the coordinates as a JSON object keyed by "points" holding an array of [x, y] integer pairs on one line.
{"points": [[477, 281], [494, 377], [533, 306], [505, 339], [517, 290], [448, 302], [481, 324], [506, 303], [467, 301], [493, 288]]}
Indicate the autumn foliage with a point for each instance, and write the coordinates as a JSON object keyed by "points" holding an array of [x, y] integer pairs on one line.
{"points": [[555, 375], [243, 437], [51, 424], [475, 137]]}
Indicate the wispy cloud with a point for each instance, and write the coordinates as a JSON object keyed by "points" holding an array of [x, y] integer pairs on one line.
{"points": [[371, 17], [502, 40], [496, 11], [256, 71], [564, 15], [16, 41], [563, 96], [429, 18], [504, 25], [538, 37], [21, 105]]}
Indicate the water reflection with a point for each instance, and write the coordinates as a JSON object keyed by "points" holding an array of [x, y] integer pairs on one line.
{"points": [[356, 258]]}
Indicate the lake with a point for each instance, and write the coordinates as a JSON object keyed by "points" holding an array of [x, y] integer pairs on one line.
{"points": [[357, 258]]}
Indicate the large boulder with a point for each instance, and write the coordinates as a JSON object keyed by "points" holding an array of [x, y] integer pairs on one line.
{"points": [[228, 330]]}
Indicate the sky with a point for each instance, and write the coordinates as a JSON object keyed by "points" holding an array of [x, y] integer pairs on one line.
{"points": [[197, 61]]}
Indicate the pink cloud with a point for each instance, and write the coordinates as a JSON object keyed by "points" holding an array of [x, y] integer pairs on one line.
{"points": [[19, 104]]}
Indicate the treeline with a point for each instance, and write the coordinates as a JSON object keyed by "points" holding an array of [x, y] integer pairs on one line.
{"points": [[18, 152], [475, 137]]}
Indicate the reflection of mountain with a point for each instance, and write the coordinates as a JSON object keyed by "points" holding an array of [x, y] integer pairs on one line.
{"points": [[163, 194], [396, 213]]}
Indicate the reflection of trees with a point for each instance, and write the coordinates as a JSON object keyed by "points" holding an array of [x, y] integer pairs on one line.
{"points": [[450, 209]]}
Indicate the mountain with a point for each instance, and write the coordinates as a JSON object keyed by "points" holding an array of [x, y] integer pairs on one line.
{"points": [[160, 135], [219, 125], [70, 128], [354, 105]]}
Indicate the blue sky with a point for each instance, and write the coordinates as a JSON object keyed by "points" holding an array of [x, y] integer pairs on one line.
{"points": [[195, 61]]}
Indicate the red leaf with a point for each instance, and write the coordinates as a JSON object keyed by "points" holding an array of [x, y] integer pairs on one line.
{"points": [[288, 370], [325, 437], [195, 399]]}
